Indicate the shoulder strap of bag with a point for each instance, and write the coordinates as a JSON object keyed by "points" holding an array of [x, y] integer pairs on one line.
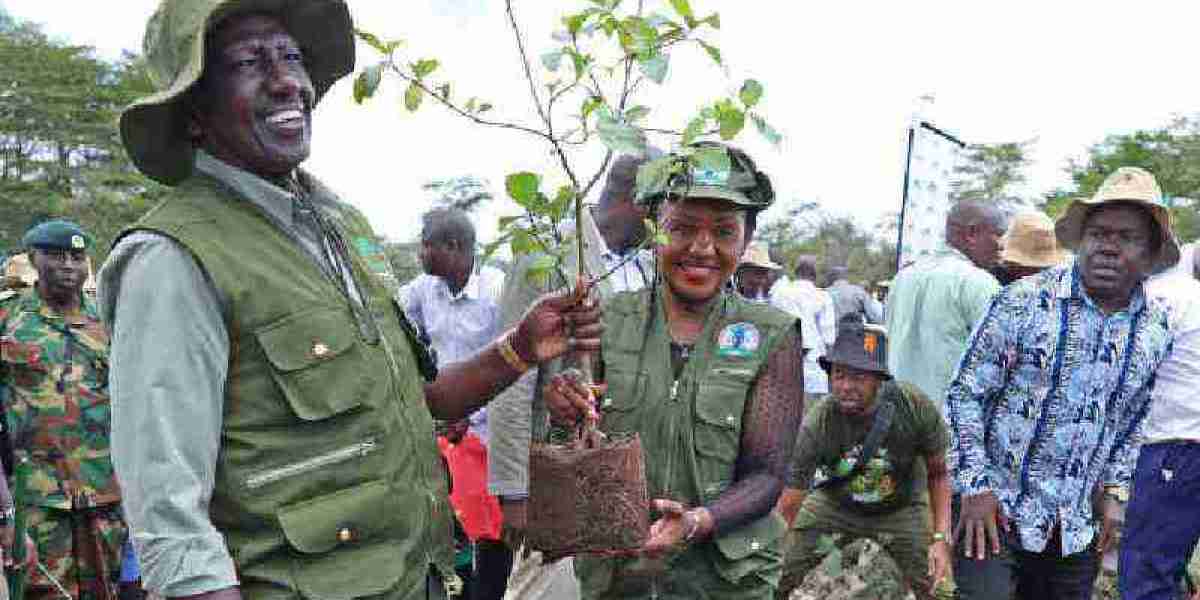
{"points": [[880, 426]]}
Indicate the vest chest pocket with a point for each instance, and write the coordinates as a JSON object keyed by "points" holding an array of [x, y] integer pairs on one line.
{"points": [[320, 366], [720, 402], [620, 402]]}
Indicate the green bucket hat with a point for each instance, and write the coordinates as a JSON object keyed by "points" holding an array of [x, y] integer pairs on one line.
{"points": [[154, 129], [724, 173]]}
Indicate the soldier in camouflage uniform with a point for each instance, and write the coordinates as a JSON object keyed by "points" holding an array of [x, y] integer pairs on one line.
{"points": [[54, 382]]}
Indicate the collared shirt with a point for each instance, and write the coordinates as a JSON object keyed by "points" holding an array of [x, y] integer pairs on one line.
{"points": [[1175, 405], [814, 308], [932, 308], [458, 325], [170, 350], [1049, 401], [853, 299]]}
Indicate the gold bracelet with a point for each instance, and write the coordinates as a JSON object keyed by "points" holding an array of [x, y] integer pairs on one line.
{"points": [[510, 355]]}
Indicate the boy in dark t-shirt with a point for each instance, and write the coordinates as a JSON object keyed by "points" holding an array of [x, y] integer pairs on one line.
{"points": [[830, 493]]}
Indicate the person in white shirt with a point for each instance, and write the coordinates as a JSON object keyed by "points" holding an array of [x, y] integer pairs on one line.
{"points": [[818, 322], [1162, 520], [455, 304]]}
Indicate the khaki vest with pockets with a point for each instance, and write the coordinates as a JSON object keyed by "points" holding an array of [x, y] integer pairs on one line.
{"points": [[328, 482], [691, 428]]}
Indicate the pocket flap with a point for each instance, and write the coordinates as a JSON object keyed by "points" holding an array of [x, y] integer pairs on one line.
{"points": [[756, 536], [309, 338], [349, 517]]}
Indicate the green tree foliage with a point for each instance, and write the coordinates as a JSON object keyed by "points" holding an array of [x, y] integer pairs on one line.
{"points": [[60, 154], [1171, 152], [465, 193], [835, 241], [990, 171], [602, 58]]}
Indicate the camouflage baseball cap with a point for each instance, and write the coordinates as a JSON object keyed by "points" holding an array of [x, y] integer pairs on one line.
{"points": [[154, 129], [706, 170]]}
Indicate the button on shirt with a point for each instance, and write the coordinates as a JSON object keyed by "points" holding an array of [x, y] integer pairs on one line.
{"points": [[1049, 401], [932, 308], [1175, 408], [458, 325], [817, 316]]}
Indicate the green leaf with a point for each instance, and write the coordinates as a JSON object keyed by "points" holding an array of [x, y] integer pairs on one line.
{"points": [[752, 92], [424, 67], [653, 176], [710, 159], [413, 97], [575, 22], [562, 202], [484, 107], [552, 60], [621, 137], [522, 242], [765, 129], [378, 44], [367, 82], [640, 39], [683, 8], [580, 61], [713, 51], [444, 91], [590, 105], [610, 25], [833, 563], [694, 130], [655, 68], [636, 113], [541, 267], [713, 20], [523, 187], [730, 120], [504, 222]]}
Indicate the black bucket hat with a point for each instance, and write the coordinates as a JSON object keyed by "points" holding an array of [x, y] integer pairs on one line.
{"points": [[858, 346]]}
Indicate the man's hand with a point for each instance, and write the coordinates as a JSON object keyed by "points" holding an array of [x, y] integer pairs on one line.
{"points": [[567, 398], [669, 531], [557, 323], [1111, 515], [939, 562], [978, 525]]}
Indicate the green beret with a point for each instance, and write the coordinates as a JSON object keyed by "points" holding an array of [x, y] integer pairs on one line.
{"points": [[57, 235]]}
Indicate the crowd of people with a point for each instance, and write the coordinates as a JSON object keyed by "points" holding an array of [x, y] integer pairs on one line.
{"points": [[243, 408]]}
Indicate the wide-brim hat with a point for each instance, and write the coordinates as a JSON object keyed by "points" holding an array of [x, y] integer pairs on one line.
{"points": [[1127, 184], [154, 129], [756, 255], [858, 346], [1030, 242]]}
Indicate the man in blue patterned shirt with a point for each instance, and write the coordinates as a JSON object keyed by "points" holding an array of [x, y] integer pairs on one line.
{"points": [[1048, 402]]}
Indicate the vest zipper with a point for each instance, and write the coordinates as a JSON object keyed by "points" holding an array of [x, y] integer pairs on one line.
{"points": [[333, 457]]}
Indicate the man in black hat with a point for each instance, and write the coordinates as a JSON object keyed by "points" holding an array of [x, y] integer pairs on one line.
{"points": [[852, 473]]}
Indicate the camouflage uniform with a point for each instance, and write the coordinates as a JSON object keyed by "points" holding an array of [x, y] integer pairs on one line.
{"points": [[54, 384]]}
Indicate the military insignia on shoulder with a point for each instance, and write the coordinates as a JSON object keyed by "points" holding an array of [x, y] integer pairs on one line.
{"points": [[738, 340]]}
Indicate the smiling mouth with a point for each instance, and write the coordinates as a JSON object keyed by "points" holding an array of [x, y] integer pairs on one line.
{"points": [[287, 120]]}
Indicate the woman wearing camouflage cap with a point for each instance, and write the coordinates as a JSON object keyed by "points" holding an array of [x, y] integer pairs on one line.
{"points": [[717, 431]]}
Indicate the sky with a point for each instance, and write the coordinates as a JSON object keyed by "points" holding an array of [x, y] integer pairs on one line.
{"points": [[843, 80]]}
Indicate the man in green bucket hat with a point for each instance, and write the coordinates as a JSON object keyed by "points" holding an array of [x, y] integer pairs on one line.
{"points": [[272, 421]]}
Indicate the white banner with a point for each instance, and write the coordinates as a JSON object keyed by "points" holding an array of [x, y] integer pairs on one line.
{"points": [[932, 158]]}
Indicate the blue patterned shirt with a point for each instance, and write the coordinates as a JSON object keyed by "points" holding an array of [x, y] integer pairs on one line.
{"points": [[1049, 401]]}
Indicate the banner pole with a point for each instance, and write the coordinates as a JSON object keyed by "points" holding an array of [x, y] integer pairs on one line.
{"points": [[904, 196]]}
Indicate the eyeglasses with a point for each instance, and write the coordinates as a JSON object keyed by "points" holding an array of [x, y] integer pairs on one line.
{"points": [[1124, 238]]}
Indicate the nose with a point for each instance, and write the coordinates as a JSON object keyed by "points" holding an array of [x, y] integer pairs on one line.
{"points": [[285, 80], [702, 244]]}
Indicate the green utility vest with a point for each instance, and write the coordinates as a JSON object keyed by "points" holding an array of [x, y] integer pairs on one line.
{"points": [[691, 437], [328, 483]]}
